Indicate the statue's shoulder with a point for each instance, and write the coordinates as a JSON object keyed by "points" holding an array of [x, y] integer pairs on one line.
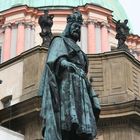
{"points": [[57, 38]]}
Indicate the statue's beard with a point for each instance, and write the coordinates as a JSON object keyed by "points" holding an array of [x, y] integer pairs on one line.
{"points": [[75, 36]]}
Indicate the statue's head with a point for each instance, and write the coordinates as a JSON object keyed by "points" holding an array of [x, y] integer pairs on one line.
{"points": [[73, 28]]}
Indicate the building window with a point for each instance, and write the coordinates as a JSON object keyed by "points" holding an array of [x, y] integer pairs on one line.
{"points": [[6, 101]]}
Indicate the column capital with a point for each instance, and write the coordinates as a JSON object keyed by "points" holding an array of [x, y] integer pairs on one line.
{"points": [[28, 24], [136, 50], [19, 22], [8, 25], [104, 24], [91, 21], [33, 26], [95, 22], [14, 25], [98, 24], [84, 23], [2, 19]]}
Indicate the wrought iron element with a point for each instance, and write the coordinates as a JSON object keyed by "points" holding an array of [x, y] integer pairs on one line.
{"points": [[122, 32], [46, 21]]}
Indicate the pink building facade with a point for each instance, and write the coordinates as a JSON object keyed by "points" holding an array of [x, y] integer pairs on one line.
{"points": [[19, 30]]}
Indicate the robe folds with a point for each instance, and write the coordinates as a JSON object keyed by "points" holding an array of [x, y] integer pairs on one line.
{"points": [[67, 98]]}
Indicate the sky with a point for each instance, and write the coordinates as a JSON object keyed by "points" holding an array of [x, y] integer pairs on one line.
{"points": [[132, 8]]}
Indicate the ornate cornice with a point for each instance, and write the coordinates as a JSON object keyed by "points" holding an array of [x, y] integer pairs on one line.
{"points": [[121, 109], [20, 110], [112, 122], [127, 113], [24, 9], [33, 105], [23, 55], [114, 54], [133, 38], [96, 8]]}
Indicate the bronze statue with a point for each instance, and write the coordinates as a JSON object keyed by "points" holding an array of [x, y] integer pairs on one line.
{"points": [[70, 107], [122, 32], [46, 21]]}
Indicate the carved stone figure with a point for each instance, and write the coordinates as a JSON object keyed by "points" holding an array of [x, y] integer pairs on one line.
{"points": [[70, 107], [46, 21], [122, 32]]}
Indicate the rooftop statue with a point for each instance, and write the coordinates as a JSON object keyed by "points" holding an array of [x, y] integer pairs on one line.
{"points": [[122, 32], [46, 21], [70, 107]]}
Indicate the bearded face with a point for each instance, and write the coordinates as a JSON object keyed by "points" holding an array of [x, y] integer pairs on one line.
{"points": [[75, 31]]}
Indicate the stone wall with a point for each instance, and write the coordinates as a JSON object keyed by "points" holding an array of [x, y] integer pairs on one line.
{"points": [[115, 76]]}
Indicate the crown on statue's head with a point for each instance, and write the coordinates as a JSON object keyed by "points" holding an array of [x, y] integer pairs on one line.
{"points": [[75, 17]]}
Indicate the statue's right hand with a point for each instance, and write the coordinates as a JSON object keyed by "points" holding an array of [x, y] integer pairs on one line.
{"points": [[68, 65], [71, 67]]}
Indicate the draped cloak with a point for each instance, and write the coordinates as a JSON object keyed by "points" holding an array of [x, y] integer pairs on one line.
{"points": [[67, 98]]}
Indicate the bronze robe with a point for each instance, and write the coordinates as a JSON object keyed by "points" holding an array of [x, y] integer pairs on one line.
{"points": [[68, 98]]}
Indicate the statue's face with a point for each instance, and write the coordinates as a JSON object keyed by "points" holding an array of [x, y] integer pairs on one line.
{"points": [[75, 31]]}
